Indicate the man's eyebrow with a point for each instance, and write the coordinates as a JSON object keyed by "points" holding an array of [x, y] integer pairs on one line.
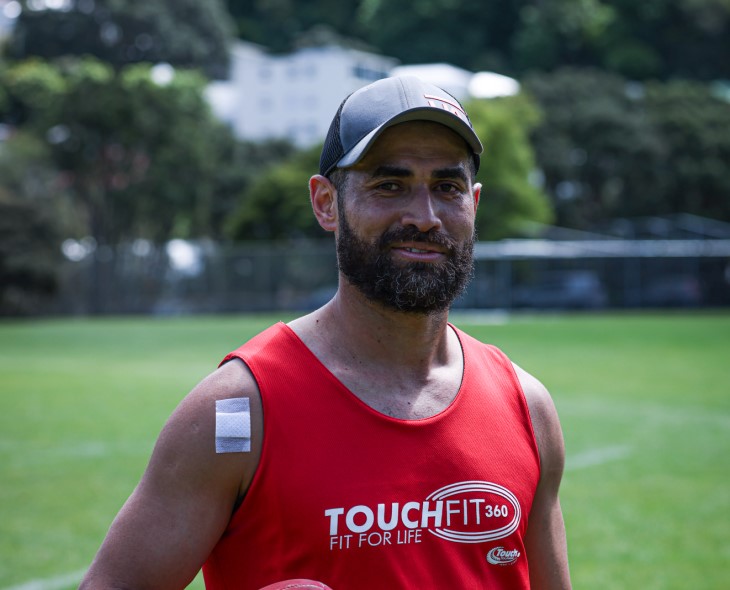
{"points": [[455, 172], [442, 173], [386, 170]]}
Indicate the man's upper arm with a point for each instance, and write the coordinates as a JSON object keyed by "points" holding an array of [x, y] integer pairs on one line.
{"points": [[545, 540], [175, 516]]}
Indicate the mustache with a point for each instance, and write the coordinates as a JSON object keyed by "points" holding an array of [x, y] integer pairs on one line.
{"points": [[411, 234]]}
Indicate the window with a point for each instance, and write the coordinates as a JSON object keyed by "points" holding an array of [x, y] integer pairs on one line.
{"points": [[363, 72]]}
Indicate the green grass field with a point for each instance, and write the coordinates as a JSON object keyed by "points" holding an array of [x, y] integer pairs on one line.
{"points": [[644, 401]]}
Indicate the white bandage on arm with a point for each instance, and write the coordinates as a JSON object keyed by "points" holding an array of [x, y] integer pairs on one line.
{"points": [[232, 425]]}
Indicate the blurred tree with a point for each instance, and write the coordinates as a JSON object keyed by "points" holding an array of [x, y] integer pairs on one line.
{"points": [[29, 236], [665, 39], [140, 160], [472, 35], [609, 148], [27, 170], [29, 256], [594, 146], [639, 40], [277, 205], [554, 32], [29, 91], [412, 32], [244, 164], [599, 154], [693, 124], [184, 33], [510, 204], [277, 25]]}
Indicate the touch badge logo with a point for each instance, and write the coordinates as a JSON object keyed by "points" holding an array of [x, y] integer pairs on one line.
{"points": [[464, 512], [500, 556]]}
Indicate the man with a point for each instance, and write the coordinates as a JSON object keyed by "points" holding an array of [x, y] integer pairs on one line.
{"points": [[369, 444]]}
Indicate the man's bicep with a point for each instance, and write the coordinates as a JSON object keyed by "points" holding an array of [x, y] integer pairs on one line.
{"points": [[183, 503], [546, 545]]}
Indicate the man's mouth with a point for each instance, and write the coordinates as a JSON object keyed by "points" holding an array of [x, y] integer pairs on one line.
{"points": [[419, 253]]}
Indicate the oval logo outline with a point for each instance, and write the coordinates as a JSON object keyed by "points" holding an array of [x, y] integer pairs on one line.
{"points": [[482, 536]]}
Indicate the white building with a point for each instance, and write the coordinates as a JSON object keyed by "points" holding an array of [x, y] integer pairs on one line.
{"points": [[461, 83], [452, 79], [291, 96], [295, 96], [9, 12]]}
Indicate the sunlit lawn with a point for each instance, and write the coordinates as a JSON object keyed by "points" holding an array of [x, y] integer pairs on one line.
{"points": [[644, 400]]}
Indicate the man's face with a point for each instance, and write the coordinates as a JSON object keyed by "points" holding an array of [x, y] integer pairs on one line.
{"points": [[406, 219]]}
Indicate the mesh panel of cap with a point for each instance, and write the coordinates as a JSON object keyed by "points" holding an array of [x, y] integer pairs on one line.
{"points": [[332, 150]]}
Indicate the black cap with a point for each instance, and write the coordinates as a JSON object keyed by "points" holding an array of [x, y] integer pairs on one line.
{"points": [[369, 111]]}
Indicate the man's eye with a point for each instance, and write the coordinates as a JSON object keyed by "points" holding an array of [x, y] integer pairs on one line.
{"points": [[388, 186], [447, 187]]}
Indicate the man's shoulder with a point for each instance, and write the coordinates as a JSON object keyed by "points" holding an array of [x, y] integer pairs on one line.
{"points": [[545, 421], [263, 341], [203, 416], [535, 392], [232, 378]]}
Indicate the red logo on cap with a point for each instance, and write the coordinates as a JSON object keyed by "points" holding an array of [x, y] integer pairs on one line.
{"points": [[439, 102]]}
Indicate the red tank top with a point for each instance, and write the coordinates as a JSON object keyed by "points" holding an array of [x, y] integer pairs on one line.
{"points": [[359, 500]]}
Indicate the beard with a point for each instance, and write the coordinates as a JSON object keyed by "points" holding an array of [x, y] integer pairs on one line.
{"points": [[419, 287]]}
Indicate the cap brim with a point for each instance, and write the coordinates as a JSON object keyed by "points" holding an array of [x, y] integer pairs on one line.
{"points": [[417, 114]]}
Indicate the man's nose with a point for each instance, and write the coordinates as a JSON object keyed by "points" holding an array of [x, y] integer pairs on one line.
{"points": [[422, 211]]}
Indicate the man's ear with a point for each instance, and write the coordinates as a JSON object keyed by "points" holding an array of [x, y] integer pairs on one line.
{"points": [[323, 196], [477, 193]]}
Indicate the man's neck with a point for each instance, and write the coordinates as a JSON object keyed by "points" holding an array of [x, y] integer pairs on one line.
{"points": [[375, 333], [404, 365]]}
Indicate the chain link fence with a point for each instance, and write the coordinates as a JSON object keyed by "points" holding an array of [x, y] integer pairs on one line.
{"points": [[189, 277]]}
